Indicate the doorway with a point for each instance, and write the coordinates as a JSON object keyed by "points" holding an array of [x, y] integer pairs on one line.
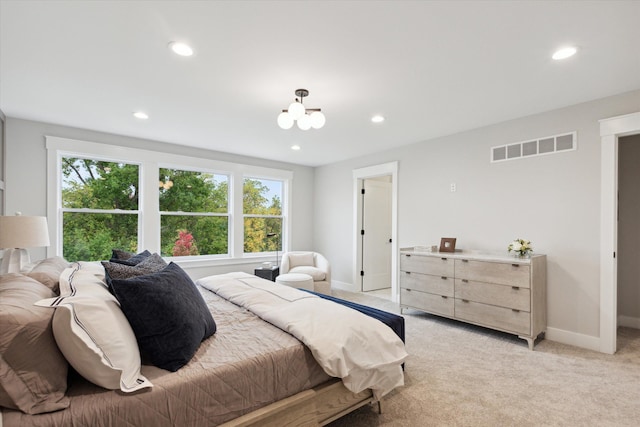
{"points": [[375, 175], [628, 232], [610, 131], [375, 234]]}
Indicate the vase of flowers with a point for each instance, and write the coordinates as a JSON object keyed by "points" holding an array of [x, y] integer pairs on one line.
{"points": [[521, 247]]}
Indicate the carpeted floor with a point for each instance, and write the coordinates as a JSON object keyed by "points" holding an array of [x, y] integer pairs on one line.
{"points": [[462, 375]]}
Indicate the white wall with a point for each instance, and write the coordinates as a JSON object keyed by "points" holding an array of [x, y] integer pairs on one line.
{"points": [[552, 200], [26, 178]]}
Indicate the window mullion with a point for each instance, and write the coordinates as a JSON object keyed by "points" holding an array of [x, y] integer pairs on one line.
{"points": [[149, 226], [237, 209]]}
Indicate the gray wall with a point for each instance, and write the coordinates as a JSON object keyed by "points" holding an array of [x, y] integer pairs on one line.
{"points": [[26, 178], [629, 230], [552, 200]]}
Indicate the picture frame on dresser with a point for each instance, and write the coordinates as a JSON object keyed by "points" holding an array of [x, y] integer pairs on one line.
{"points": [[448, 244]]}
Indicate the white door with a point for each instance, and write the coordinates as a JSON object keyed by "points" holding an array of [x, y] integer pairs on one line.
{"points": [[376, 240]]}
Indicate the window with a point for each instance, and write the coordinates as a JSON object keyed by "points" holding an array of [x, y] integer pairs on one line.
{"points": [[100, 208], [199, 210], [194, 213], [263, 219]]}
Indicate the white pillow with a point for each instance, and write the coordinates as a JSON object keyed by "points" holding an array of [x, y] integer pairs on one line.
{"points": [[296, 260], [317, 274], [93, 333]]}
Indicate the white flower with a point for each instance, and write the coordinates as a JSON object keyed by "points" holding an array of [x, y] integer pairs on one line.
{"points": [[522, 246]]}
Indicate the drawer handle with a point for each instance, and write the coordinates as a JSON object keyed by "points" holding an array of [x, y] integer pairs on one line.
{"points": [[515, 265], [465, 300], [443, 259], [407, 255], [443, 296], [465, 281], [464, 260], [443, 277], [515, 288], [515, 310], [408, 272]]}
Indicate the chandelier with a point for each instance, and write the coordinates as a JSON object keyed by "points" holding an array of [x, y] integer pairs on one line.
{"points": [[307, 118]]}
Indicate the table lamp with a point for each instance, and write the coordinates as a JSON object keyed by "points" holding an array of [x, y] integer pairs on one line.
{"points": [[270, 235], [17, 233]]}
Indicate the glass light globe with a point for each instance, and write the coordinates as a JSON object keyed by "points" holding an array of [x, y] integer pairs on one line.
{"points": [[284, 120], [304, 122], [564, 53], [317, 119], [296, 110]]}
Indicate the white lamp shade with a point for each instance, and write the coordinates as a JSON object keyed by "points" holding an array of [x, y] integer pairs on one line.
{"points": [[317, 119], [304, 122], [23, 231], [296, 110], [285, 121]]}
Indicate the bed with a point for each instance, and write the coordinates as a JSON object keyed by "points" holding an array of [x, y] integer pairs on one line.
{"points": [[249, 372]]}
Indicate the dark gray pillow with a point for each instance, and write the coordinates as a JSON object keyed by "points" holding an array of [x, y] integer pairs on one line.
{"points": [[167, 314], [136, 259], [150, 264], [121, 254]]}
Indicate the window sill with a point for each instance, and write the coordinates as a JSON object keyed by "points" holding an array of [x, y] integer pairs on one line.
{"points": [[209, 262]]}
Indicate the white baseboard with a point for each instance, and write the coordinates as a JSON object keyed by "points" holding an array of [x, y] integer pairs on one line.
{"points": [[629, 322], [344, 286], [573, 338]]}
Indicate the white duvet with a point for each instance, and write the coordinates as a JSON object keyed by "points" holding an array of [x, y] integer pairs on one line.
{"points": [[362, 351]]}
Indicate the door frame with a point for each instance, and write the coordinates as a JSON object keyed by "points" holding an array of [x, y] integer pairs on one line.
{"points": [[611, 130], [390, 168]]}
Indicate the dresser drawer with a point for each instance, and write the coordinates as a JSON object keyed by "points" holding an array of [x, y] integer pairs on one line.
{"points": [[497, 317], [440, 285], [494, 272], [437, 266], [489, 293], [427, 302]]}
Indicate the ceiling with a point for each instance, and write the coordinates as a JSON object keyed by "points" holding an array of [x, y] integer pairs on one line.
{"points": [[432, 68]]}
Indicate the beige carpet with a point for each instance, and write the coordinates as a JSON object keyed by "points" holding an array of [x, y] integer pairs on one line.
{"points": [[462, 375]]}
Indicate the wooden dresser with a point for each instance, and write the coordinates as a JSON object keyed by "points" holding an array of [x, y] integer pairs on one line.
{"points": [[495, 291]]}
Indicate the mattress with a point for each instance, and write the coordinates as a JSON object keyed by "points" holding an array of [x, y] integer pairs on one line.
{"points": [[246, 365]]}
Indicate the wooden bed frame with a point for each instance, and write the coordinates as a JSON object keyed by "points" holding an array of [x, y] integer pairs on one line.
{"points": [[315, 407]]}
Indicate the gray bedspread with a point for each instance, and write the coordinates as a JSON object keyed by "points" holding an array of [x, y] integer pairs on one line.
{"points": [[247, 364]]}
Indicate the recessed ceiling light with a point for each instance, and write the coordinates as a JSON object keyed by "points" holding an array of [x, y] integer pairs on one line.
{"points": [[564, 53], [295, 147], [141, 115], [377, 119], [181, 49]]}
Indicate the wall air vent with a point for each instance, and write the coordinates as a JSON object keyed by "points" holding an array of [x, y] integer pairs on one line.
{"points": [[535, 147]]}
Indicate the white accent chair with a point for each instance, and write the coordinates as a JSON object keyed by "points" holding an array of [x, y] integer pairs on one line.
{"points": [[311, 263]]}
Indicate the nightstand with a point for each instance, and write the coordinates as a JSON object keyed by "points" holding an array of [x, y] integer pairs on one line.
{"points": [[267, 273]]}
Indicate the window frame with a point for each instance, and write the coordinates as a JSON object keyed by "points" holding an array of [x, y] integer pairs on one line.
{"points": [[228, 214], [149, 206], [283, 216], [62, 210]]}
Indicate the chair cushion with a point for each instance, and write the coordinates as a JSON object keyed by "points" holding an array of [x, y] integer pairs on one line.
{"points": [[314, 272], [304, 258]]}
